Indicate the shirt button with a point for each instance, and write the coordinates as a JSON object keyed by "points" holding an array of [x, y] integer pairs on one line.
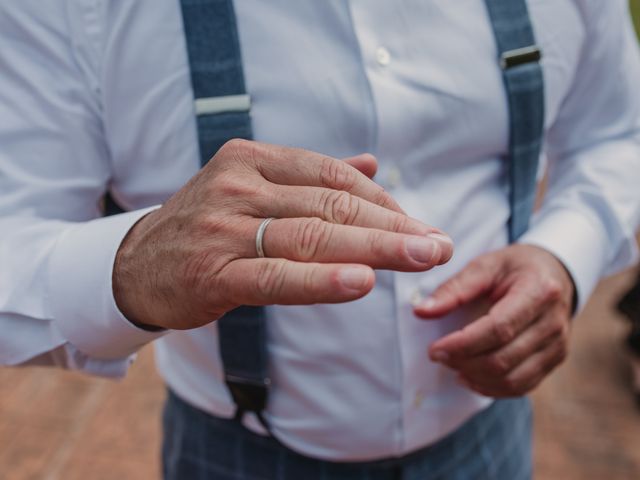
{"points": [[383, 57], [418, 399], [394, 177], [416, 298]]}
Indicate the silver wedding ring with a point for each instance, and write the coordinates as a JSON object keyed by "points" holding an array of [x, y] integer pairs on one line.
{"points": [[260, 236]]}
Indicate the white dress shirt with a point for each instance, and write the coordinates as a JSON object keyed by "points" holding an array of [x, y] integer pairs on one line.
{"points": [[97, 95]]}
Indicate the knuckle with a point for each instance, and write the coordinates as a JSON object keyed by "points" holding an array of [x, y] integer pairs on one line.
{"points": [[556, 329], [476, 266], [399, 223], [378, 245], [499, 364], [231, 150], [211, 225], [225, 289], [237, 152], [310, 282], [503, 331], [193, 272], [200, 274], [514, 386], [206, 224], [261, 198], [270, 279], [311, 234], [551, 290], [334, 174], [233, 145], [232, 186], [382, 198], [340, 207]]}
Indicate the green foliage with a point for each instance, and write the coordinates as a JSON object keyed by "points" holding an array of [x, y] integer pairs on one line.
{"points": [[635, 11]]}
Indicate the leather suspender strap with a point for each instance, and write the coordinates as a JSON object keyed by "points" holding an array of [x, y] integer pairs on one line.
{"points": [[519, 59], [222, 109]]}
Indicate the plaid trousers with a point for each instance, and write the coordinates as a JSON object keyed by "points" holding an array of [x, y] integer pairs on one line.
{"points": [[493, 445]]}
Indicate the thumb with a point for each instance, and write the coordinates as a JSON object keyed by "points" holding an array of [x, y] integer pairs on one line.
{"points": [[466, 286], [365, 163]]}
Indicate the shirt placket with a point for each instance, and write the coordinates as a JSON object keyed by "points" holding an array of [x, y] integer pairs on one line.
{"points": [[377, 28]]}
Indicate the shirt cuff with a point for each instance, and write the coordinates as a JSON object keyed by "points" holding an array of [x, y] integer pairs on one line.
{"points": [[80, 292], [577, 241]]}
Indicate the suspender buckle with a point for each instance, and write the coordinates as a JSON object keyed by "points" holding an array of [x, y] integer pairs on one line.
{"points": [[520, 56]]}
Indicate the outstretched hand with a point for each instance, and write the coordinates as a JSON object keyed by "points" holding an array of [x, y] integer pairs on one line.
{"points": [[525, 334], [189, 262]]}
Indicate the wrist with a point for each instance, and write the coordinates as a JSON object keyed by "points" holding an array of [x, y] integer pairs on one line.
{"points": [[128, 282], [563, 275]]}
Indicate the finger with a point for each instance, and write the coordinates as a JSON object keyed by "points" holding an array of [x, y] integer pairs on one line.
{"points": [[365, 163], [314, 240], [295, 166], [474, 280], [525, 377], [337, 206], [531, 372], [269, 281], [520, 306], [544, 331]]}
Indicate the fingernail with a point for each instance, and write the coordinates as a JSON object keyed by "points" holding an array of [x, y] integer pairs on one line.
{"points": [[440, 356], [428, 303], [354, 278], [441, 238], [422, 250]]}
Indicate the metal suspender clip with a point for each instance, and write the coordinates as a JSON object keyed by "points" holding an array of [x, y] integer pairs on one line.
{"points": [[223, 104], [520, 56], [248, 395]]}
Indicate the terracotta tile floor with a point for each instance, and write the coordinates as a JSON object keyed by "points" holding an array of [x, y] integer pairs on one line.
{"points": [[59, 425]]}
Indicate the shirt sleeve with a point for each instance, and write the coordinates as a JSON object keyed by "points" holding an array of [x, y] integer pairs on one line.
{"points": [[56, 254], [592, 205]]}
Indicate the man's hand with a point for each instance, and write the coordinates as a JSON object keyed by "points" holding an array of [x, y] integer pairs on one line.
{"points": [[194, 259], [525, 334]]}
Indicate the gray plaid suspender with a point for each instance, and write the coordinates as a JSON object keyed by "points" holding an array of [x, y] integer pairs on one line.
{"points": [[222, 109], [524, 85]]}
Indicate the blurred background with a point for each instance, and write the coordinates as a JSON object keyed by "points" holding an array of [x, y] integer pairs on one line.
{"points": [[61, 425]]}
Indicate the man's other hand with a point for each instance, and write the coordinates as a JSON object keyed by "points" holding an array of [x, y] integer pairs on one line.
{"points": [[525, 334], [189, 262]]}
